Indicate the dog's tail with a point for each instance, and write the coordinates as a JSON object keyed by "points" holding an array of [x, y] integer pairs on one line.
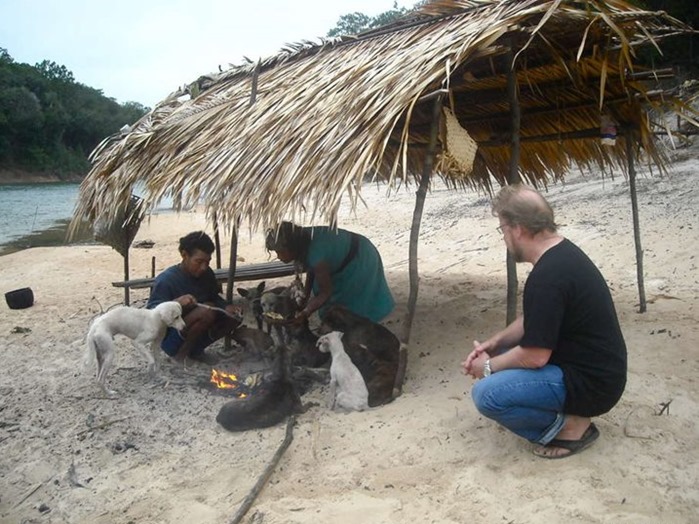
{"points": [[90, 355], [93, 355]]}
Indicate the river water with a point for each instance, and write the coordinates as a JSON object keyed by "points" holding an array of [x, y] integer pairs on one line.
{"points": [[34, 215]]}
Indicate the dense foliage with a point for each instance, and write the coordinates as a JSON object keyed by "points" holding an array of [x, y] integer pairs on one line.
{"points": [[49, 122]]}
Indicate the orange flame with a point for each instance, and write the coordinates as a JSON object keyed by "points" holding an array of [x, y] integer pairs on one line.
{"points": [[224, 380]]}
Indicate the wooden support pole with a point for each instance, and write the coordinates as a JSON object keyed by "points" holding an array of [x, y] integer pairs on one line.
{"points": [[414, 237], [513, 178], [127, 295], [417, 218], [217, 242], [636, 225], [232, 263], [231, 274]]}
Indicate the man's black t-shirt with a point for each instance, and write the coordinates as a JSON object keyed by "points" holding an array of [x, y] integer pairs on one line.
{"points": [[568, 309]]}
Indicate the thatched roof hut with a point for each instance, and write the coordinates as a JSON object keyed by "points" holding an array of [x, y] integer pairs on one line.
{"points": [[294, 133]]}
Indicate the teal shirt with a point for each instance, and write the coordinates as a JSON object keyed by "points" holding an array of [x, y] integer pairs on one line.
{"points": [[361, 286]]}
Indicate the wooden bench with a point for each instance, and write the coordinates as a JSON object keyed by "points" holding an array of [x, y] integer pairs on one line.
{"points": [[261, 271]]}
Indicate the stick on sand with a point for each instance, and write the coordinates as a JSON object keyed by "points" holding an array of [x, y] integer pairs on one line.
{"points": [[207, 306], [262, 480]]}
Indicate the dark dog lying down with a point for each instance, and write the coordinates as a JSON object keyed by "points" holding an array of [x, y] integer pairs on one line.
{"points": [[269, 404], [371, 347]]}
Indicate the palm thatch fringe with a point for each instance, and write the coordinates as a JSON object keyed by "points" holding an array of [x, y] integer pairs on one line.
{"points": [[326, 116]]}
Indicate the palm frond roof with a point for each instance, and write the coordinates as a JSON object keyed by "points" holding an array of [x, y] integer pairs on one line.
{"points": [[293, 134]]}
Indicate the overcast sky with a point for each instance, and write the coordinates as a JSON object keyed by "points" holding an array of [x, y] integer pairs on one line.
{"points": [[142, 50]]}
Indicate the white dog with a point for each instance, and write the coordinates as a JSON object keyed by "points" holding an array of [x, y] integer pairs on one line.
{"points": [[347, 387], [145, 327]]}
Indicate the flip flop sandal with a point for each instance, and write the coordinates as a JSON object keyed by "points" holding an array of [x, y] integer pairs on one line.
{"points": [[573, 446]]}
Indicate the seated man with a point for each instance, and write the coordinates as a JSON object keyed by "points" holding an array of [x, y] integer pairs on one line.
{"points": [[192, 283]]}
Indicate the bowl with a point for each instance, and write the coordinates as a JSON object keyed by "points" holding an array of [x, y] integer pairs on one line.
{"points": [[20, 298]]}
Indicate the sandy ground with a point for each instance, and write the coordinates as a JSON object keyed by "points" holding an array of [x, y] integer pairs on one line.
{"points": [[156, 454]]}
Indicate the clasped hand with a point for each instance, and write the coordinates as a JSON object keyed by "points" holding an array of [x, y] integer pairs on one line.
{"points": [[475, 361]]}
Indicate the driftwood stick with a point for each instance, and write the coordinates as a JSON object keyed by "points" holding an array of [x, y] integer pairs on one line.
{"points": [[262, 480], [665, 407], [36, 488]]}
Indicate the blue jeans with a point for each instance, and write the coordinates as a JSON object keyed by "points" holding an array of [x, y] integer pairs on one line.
{"points": [[528, 402], [173, 341]]}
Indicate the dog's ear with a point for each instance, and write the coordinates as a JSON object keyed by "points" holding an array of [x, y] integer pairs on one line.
{"points": [[261, 287], [243, 292], [172, 313]]}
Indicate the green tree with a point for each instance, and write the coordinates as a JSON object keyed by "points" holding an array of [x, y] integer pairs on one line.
{"points": [[135, 110], [20, 111], [53, 71], [5, 57], [355, 23], [350, 24], [48, 121]]}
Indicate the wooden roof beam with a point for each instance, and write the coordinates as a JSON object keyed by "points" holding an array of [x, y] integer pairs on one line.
{"points": [[499, 95], [561, 108], [551, 137]]}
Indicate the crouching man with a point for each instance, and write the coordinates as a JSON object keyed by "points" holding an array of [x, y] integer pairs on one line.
{"points": [[193, 283], [564, 360]]}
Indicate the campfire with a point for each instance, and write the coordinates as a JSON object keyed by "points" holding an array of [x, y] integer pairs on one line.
{"points": [[229, 383]]}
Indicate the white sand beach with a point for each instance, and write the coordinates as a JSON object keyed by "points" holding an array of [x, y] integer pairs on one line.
{"points": [[157, 455]]}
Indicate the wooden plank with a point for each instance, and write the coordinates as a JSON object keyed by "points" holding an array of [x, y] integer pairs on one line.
{"points": [[260, 271]]}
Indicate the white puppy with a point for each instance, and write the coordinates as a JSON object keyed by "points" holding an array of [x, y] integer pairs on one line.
{"points": [[347, 387], [145, 327]]}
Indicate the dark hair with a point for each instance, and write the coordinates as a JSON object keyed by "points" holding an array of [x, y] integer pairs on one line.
{"points": [[518, 204], [196, 240], [288, 236]]}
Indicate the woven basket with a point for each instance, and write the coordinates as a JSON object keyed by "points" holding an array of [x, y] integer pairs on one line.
{"points": [[458, 148]]}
